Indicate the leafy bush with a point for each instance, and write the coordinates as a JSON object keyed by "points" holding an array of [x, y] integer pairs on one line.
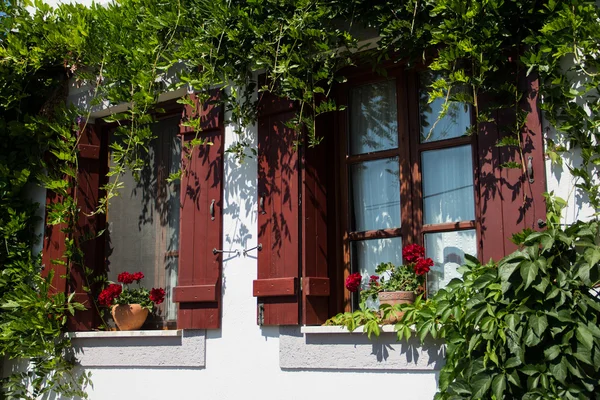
{"points": [[524, 328]]}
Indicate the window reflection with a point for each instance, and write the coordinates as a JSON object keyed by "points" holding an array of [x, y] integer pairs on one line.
{"points": [[373, 118]]}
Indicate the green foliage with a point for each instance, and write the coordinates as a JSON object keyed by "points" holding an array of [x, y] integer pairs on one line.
{"points": [[130, 51], [526, 327]]}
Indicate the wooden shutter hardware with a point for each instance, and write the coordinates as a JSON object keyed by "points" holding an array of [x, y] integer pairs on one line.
{"points": [[195, 294], [275, 287]]}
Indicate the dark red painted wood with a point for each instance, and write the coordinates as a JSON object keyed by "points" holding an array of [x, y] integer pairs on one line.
{"points": [[278, 216], [90, 177], [54, 249], [315, 287], [508, 201], [533, 139], [200, 233], [195, 294], [275, 287], [315, 246]]}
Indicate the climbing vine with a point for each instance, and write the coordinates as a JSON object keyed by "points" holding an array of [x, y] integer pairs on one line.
{"points": [[130, 51]]}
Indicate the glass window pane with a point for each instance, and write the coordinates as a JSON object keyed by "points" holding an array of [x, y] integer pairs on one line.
{"points": [[143, 220], [448, 185], [447, 249], [373, 118], [367, 254], [375, 195], [454, 124]]}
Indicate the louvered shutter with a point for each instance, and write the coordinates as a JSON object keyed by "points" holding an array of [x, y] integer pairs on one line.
{"points": [[198, 289]]}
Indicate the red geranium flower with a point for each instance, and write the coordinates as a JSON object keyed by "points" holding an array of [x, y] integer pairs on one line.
{"points": [[423, 265], [413, 252], [138, 276], [126, 278], [374, 280], [157, 295], [107, 296], [353, 282]]}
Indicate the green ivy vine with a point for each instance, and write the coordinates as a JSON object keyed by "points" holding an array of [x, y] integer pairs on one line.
{"points": [[130, 51]]}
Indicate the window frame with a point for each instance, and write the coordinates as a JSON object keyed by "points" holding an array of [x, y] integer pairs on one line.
{"points": [[409, 150], [163, 110]]}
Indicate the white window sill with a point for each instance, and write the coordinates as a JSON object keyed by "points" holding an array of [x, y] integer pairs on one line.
{"points": [[123, 334], [155, 349], [341, 329], [335, 348]]}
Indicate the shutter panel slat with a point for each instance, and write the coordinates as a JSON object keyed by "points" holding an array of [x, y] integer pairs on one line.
{"points": [[278, 215], [275, 287], [198, 288]]}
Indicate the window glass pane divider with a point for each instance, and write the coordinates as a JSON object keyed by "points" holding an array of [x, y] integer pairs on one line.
{"points": [[356, 158], [380, 233], [441, 144], [449, 226]]}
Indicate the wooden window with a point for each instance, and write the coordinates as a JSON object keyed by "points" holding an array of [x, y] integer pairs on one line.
{"points": [[169, 231], [143, 220], [386, 174], [405, 177]]}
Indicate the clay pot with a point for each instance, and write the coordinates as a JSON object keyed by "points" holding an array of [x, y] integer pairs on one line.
{"points": [[393, 298], [129, 317]]}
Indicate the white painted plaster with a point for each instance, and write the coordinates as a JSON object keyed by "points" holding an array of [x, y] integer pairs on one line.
{"points": [[152, 349], [357, 351]]}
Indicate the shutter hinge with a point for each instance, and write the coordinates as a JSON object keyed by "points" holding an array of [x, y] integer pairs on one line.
{"points": [[261, 314], [300, 289]]}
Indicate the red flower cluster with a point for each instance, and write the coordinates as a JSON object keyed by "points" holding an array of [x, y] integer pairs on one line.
{"points": [[107, 296], [413, 252], [353, 282], [127, 278], [423, 265], [374, 280], [157, 295]]}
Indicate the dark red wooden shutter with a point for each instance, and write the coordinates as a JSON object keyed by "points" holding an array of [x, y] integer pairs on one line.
{"points": [[509, 201], [316, 179], [90, 173], [90, 177], [277, 287], [54, 249], [198, 290]]}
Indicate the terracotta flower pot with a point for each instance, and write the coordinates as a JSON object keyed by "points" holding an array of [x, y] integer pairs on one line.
{"points": [[129, 317], [393, 298]]}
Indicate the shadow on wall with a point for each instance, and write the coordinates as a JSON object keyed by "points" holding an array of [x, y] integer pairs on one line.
{"points": [[239, 199]]}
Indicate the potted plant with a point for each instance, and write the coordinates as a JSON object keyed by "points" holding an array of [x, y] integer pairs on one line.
{"points": [[130, 306], [395, 284]]}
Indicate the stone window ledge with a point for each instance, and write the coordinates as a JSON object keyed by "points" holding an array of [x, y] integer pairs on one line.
{"points": [[156, 349], [341, 329], [123, 334], [333, 347]]}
